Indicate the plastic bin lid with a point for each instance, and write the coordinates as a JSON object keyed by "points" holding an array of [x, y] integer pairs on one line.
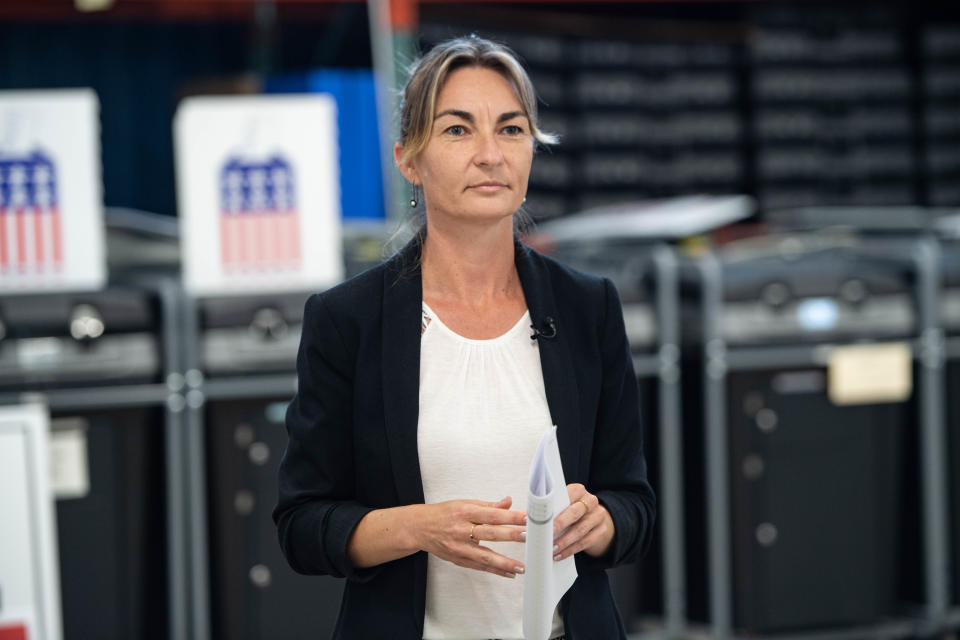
{"points": [[948, 225], [874, 219], [653, 221]]}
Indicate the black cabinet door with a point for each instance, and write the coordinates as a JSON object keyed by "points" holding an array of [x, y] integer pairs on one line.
{"points": [[254, 592]]}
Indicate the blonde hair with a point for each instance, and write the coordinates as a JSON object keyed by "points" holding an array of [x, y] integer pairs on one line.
{"points": [[429, 73]]}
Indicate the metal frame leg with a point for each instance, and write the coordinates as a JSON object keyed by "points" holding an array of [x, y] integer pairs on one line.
{"points": [[195, 473], [933, 435], [174, 464], [717, 478], [671, 447]]}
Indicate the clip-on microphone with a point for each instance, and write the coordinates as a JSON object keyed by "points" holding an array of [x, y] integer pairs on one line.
{"points": [[548, 333]]}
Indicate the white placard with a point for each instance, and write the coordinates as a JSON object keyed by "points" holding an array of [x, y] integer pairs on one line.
{"points": [[29, 568], [51, 192], [258, 193]]}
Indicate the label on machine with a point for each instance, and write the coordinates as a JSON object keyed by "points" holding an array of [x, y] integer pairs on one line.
{"points": [[870, 373]]}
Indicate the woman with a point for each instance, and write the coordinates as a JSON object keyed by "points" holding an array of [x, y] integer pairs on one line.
{"points": [[422, 396]]}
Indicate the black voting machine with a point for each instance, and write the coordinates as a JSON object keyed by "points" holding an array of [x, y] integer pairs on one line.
{"points": [[100, 360], [247, 348], [814, 498]]}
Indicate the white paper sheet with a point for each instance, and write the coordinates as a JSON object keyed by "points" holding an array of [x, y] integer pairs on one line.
{"points": [[545, 581]]}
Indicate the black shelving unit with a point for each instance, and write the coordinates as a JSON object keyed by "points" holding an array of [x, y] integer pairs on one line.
{"points": [[940, 55], [831, 94], [796, 104]]}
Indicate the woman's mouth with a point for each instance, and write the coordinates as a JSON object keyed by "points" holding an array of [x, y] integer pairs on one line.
{"points": [[488, 186]]}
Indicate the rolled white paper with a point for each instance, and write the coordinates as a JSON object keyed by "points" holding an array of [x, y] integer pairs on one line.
{"points": [[545, 581]]}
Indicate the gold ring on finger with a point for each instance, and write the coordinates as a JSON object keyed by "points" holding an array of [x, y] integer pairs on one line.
{"points": [[472, 537], [585, 506]]}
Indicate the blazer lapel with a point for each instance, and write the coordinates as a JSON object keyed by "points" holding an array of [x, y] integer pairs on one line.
{"points": [[559, 374], [402, 315]]}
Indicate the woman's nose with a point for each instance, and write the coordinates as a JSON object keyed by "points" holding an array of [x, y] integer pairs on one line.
{"points": [[488, 150]]}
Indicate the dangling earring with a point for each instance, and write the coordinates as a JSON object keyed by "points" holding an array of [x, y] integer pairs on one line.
{"points": [[413, 198]]}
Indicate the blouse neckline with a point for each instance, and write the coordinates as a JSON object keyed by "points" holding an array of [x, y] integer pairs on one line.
{"points": [[435, 319]]}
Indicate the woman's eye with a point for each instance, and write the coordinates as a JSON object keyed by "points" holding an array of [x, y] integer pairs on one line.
{"points": [[513, 130], [456, 130]]}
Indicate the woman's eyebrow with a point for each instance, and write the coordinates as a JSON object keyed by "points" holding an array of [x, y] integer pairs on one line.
{"points": [[466, 115], [510, 115]]}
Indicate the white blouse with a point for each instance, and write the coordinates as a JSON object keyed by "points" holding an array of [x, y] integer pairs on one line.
{"points": [[483, 409]]}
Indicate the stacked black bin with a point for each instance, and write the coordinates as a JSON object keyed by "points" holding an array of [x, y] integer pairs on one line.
{"points": [[99, 360], [794, 503]]}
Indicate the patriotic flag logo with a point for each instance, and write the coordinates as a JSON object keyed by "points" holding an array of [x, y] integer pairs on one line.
{"points": [[259, 224], [30, 226]]}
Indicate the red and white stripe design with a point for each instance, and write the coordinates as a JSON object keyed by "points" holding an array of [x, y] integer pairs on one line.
{"points": [[263, 241], [30, 239]]}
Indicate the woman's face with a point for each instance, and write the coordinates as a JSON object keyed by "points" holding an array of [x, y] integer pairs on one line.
{"points": [[477, 160]]}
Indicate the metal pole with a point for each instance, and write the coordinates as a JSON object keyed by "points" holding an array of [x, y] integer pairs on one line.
{"points": [[264, 36], [393, 40], [196, 475], [177, 562], [671, 449], [932, 433], [715, 437]]}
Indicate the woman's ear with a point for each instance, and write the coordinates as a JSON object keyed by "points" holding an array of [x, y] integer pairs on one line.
{"points": [[407, 169]]}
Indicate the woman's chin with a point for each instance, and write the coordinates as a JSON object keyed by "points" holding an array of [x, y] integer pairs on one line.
{"points": [[484, 213]]}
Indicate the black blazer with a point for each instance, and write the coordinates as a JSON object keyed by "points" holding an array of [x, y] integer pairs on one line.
{"points": [[353, 435]]}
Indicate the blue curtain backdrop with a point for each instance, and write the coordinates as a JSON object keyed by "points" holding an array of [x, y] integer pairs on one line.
{"points": [[361, 182]]}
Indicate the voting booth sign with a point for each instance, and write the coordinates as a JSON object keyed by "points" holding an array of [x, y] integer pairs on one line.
{"points": [[29, 570], [51, 192], [258, 193]]}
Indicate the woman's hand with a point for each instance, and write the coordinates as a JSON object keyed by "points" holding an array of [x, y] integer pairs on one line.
{"points": [[588, 525], [446, 528]]}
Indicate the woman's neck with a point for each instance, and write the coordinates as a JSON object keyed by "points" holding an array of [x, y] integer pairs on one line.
{"points": [[470, 264]]}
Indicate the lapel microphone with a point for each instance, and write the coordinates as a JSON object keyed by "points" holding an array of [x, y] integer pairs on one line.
{"points": [[547, 333]]}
